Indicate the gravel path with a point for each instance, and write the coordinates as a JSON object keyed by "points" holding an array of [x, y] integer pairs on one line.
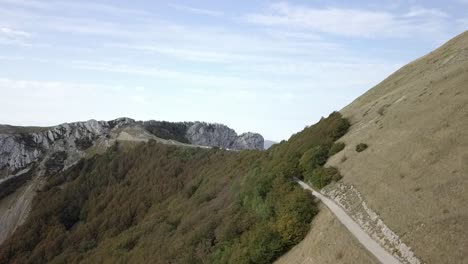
{"points": [[373, 247]]}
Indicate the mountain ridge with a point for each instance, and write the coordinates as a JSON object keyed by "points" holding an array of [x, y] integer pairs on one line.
{"points": [[44, 151], [20, 146], [407, 187]]}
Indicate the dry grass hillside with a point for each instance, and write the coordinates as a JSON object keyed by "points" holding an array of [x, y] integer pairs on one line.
{"points": [[414, 173], [328, 242]]}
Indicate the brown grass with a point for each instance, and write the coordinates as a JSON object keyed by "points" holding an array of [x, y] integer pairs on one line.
{"points": [[328, 241], [407, 175]]}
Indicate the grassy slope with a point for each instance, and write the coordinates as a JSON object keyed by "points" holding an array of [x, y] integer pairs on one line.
{"points": [[170, 204], [328, 242], [414, 173]]}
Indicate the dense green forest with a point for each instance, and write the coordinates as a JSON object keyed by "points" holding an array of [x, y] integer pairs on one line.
{"points": [[166, 204]]}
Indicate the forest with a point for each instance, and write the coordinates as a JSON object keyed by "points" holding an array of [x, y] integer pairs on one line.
{"points": [[148, 202]]}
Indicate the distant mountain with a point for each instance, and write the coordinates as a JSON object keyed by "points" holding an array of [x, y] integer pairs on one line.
{"points": [[268, 144], [20, 146]]}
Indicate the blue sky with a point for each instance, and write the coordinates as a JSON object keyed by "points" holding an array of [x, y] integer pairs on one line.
{"points": [[271, 67]]}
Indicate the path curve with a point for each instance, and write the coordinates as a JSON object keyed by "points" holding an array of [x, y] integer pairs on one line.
{"points": [[371, 245]]}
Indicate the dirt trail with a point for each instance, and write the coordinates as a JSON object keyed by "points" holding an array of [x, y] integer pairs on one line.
{"points": [[373, 247]]}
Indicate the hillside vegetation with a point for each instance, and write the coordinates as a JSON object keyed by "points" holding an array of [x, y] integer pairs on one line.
{"points": [[168, 204], [414, 171], [168, 130]]}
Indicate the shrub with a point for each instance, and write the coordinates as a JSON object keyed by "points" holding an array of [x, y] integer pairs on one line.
{"points": [[341, 128], [361, 147], [335, 148], [265, 246], [321, 177]]}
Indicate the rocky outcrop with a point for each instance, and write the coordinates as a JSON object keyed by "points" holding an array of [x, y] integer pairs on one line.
{"points": [[213, 135], [221, 136], [248, 141], [18, 151], [71, 140]]}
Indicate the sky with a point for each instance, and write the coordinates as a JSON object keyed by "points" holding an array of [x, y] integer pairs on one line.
{"points": [[271, 67]]}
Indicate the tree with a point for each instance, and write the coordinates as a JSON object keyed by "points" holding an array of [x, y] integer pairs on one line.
{"points": [[313, 158]]}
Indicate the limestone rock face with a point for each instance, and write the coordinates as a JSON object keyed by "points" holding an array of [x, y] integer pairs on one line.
{"points": [[249, 141], [121, 122], [217, 135], [212, 135], [19, 150]]}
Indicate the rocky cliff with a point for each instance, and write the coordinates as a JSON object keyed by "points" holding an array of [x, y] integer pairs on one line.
{"points": [[217, 135], [248, 141], [63, 145]]}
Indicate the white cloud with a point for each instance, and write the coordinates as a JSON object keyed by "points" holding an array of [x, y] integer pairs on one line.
{"points": [[181, 41], [350, 22], [183, 79], [8, 32], [77, 17], [26, 3], [13, 36], [425, 12], [80, 6], [296, 35], [198, 11], [184, 53]]}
